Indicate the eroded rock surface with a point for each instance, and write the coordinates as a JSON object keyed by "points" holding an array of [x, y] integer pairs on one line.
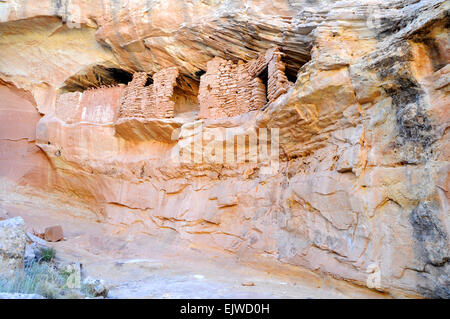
{"points": [[12, 245], [361, 189]]}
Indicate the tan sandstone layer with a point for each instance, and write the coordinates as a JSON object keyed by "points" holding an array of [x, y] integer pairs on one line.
{"points": [[361, 193]]}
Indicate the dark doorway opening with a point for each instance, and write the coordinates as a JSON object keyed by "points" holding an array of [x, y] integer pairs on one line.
{"points": [[264, 77]]}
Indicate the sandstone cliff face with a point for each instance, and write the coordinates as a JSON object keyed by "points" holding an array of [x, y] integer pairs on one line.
{"points": [[361, 190]]}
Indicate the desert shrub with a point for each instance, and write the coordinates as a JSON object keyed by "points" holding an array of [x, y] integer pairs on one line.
{"points": [[38, 278], [47, 254], [42, 278]]}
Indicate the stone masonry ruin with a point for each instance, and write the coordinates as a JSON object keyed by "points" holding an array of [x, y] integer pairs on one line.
{"points": [[152, 101], [97, 105], [228, 89]]}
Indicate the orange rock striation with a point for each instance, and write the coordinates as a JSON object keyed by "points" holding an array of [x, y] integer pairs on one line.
{"points": [[362, 187]]}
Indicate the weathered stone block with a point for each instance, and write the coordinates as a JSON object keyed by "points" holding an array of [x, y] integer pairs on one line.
{"points": [[54, 233], [12, 245]]}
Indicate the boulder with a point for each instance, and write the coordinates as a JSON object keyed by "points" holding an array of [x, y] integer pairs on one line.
{"points": [[54, 233], [73, 273], [4, 214], [12, 245], [95, 287], [30, 254], [37, 240], [33, 249]]}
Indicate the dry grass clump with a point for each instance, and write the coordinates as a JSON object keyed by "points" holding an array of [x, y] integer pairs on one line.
{"points": [[43, 278]]}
